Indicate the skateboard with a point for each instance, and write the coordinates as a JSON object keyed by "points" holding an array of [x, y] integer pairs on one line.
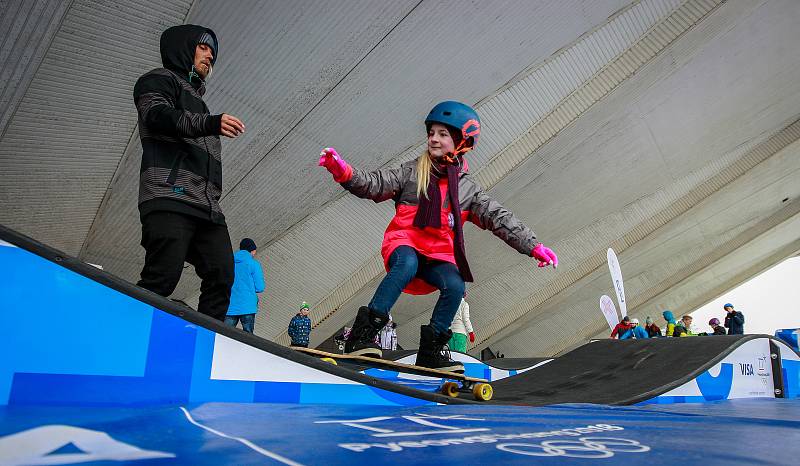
{"points": [[457, 383]]}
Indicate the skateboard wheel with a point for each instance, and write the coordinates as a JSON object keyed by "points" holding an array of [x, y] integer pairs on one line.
{"points": [[482, 392], [330, 360], [450, 389]]}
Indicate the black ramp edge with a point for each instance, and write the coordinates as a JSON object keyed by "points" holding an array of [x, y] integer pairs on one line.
{"points": [[190, 315], [617, 372]]}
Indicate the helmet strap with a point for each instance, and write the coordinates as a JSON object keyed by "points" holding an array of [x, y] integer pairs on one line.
{"points": [[454, 158], [469, 130]]}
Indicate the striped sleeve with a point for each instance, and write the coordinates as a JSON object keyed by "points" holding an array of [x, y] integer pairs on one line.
{"points": [[154, 97]]}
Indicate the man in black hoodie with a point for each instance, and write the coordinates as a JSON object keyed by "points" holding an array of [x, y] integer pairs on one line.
{"points": [[180, 181]]}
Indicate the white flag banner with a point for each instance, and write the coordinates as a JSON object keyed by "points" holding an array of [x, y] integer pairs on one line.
{"points": [[609, 311], [616, 280]]}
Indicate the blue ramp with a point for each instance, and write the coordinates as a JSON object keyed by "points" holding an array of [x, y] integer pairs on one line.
{"points": [[91, 339]]}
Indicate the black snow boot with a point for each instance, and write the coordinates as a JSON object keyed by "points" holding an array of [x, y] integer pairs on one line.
{"points": [[362, 337], [433, 352]]}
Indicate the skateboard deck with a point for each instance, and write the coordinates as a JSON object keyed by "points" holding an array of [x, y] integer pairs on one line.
{"points": [[480, 388]]}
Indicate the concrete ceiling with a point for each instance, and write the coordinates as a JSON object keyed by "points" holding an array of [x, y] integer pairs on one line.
{"points": [[665, 129]]}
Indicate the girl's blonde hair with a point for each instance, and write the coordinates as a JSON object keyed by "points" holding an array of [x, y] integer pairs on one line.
{"points": [[423, 174]]}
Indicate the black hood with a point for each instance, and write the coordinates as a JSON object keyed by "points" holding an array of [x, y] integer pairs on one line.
{"points": [[178, 44]]}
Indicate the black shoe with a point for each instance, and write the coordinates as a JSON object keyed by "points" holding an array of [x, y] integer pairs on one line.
{"points": [[433, 351], [362, 337]]}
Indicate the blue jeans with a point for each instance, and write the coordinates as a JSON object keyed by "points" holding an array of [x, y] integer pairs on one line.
{"points": [[248, 321], [405, 264]]}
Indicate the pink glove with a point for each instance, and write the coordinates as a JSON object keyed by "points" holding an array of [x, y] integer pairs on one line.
{"points": [[545, 256], [472, 337], [330, 159]]}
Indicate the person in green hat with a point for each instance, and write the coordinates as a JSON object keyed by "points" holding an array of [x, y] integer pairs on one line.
{"points": [[300, 327]]}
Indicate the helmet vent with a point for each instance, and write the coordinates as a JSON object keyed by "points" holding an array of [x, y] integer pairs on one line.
{"points": [[447, 113]]}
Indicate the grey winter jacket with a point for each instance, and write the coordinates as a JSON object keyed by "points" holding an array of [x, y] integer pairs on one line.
{"points": [[400, 185]]}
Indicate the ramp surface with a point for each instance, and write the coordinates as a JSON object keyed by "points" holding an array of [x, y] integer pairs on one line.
{"points": [[740, 432]]}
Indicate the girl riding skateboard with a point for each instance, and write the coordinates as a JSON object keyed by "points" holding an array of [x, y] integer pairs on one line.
{"points": [[423, 246]]}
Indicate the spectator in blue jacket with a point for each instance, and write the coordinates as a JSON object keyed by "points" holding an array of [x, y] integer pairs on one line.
{"points": [[248, 281], [734, 321], [636, 331], [300, 327]]}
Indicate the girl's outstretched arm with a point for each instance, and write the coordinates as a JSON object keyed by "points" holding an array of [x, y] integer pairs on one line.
{"points": [[378, 185], [491, 215]]}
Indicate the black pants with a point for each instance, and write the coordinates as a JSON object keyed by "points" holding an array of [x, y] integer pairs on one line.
{"points": [[170, 239]]}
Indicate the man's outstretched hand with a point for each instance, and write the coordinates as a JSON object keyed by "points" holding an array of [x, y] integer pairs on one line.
{"points": [[231, 126]]}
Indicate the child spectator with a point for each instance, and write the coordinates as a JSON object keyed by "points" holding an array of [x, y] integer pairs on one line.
{"points": [[734, 321], [651, 328], [300, 327], [387, 338], [670, 327], [461, 328], [248, 281], [621, 327], [718, 329], [684, 327], [634, 332]]}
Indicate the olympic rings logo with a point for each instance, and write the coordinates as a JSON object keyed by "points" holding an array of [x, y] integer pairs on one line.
{"points": [[584, 447]]}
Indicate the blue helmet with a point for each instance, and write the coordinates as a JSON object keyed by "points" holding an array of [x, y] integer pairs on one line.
{"points": [[727, 305], [460, 117]]}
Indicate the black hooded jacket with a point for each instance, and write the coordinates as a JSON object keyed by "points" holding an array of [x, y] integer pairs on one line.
{"points": [[182, 155]]}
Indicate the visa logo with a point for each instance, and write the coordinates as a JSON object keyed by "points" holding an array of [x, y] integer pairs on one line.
{"points": [[747, 369]]}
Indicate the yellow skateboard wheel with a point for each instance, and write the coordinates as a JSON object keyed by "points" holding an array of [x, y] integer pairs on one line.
{"points": [[330, 360], [482, 392], [450, 389]]}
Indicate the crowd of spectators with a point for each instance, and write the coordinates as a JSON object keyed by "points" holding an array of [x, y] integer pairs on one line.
{"points": [[629, 328]]}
